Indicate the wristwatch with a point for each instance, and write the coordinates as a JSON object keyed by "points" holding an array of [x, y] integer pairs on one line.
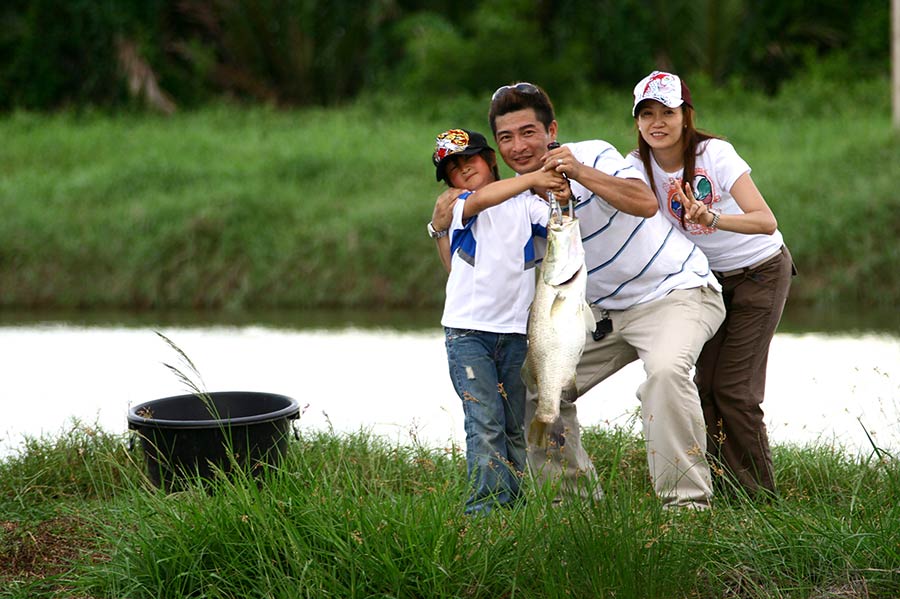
{"points": [[436, 234]]}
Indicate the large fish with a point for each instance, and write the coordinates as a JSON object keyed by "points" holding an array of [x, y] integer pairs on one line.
{"points": [[557, 324]]}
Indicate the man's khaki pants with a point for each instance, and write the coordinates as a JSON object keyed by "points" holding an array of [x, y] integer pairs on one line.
{"points": [[667, 335]]}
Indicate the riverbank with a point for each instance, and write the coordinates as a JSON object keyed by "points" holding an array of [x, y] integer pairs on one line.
{"points": [[234, 208], [820, 387], [352, 516]]}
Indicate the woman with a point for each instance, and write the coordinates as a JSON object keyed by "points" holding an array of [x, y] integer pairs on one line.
{"points": [[704, 187]]}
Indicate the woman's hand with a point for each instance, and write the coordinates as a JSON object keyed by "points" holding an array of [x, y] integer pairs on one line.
{"points": [[695, 211]]}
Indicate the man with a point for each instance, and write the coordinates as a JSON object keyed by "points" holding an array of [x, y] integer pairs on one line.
{"points": [[651, 291]]}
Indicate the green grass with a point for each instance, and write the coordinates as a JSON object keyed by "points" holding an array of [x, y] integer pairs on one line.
{"points": [[233, 208], [352, 516]]}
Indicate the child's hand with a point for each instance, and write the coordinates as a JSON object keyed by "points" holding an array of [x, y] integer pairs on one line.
{"points": [[443, 209], [563, 162], [550, 179]]}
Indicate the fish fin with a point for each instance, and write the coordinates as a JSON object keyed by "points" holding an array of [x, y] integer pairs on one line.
{"points": [[537, 434], [528, 377], [558, 302], [588, 317]]}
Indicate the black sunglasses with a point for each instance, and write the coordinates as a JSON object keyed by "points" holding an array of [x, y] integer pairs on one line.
{"points": [[525, 88]]}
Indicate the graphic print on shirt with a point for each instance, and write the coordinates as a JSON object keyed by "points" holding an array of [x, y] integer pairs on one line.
{"points": [[703, 191]]}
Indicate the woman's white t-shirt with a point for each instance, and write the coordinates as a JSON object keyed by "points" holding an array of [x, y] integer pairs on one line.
{"points": [[717, 168]]}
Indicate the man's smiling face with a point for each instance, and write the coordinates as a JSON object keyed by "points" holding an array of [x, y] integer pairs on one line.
{"points": [[522, 139]]}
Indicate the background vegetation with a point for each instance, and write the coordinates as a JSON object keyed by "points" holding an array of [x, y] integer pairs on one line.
{"points": [[238, 154], [238, 209]]}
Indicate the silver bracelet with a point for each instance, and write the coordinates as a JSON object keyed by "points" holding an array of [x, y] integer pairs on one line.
{"points": [[715, 221], [434, 234]]}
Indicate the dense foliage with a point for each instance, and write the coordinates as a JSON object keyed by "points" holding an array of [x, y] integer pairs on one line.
{"points": [[237, 208], [322, 52]]}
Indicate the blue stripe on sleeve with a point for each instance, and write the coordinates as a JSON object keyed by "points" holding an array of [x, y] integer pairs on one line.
{"points": [[529, 254], [627, 168], [463, 240], [600, 155]]}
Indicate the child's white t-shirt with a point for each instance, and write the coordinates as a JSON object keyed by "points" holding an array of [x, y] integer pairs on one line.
{"points": [[491, 282]]}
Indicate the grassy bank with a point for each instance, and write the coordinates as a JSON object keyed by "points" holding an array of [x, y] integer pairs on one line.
{"points": [[351, 516], [235, 209]]}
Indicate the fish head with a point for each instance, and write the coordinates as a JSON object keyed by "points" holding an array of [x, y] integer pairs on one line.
{"points": [[565, 252]]}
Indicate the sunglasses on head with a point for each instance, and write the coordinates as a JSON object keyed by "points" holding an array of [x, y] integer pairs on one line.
{"points": [[525, 88]]}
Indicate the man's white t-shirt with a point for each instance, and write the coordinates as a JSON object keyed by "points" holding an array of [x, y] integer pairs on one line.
{"points": [[630, 259]]}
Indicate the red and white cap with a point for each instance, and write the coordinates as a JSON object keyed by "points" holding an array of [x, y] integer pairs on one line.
{"points": [[663, 87]]}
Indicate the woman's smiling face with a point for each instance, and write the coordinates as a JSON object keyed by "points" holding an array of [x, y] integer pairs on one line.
{"points": [[660, 126]]}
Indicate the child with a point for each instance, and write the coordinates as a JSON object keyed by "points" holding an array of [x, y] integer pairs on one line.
{"points": [[489, 290]]}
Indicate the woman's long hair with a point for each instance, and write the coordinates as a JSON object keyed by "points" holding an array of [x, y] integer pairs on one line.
{"points": [[691, 138]]}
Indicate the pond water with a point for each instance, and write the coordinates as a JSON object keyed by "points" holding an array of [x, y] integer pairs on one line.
{"points": [[822, 388]]}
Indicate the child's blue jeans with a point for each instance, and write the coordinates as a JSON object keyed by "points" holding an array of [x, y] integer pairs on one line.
{"points": [[486, 372]]}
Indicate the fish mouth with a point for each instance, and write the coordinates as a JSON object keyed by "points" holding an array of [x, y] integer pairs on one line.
{"points": [[562, 222], [569, 280], [563, 274]]}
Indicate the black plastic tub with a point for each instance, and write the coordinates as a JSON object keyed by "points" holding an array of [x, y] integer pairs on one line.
{"points": [[193, 435]]}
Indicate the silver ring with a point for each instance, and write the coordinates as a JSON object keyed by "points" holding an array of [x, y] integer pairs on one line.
{"points": [[559, 161]]}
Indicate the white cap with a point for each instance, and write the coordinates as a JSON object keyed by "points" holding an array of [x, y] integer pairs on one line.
{"points": [[663, 87]]}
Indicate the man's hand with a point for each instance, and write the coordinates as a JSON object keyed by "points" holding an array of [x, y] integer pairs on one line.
{"points": [[632, 196], [443, 209], [563, 193]]}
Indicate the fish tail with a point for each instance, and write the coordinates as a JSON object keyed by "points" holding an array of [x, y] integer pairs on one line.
{"points": [[537, 434]]}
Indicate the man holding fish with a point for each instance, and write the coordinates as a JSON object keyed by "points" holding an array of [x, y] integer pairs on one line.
{"points": [[651, 295]]}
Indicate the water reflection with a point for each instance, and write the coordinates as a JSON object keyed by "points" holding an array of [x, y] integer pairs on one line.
{"points": [[797, 319], [394, 382], [299, 319]]}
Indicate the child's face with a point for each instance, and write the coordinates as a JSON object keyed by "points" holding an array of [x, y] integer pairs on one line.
{"points": [[469, 172]]}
